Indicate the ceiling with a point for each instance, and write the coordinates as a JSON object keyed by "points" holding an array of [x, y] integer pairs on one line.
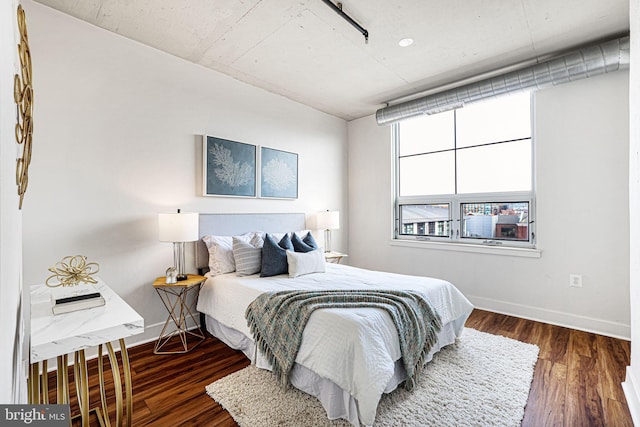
{"points": [[303, 50]]}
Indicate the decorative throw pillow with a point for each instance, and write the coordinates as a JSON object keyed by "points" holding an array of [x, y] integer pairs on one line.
{"points": [[303, 245], [247, 255], [301, 263], [257, 240], [274, 255], [221, 252], [309, 240]]}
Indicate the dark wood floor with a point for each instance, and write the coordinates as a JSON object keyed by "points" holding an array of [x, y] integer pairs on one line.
{"points": [[576, 380]]}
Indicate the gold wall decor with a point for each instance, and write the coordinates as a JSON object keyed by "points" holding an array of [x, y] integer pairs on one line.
{"points": [[72, 270], [23, 96]]}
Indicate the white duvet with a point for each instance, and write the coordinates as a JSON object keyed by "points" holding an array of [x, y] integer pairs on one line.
{"points": [[354, 348]]}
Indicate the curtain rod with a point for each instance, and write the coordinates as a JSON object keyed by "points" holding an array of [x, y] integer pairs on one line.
{"points": [[338, 9]]}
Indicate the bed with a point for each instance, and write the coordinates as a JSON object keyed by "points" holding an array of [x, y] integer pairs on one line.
{"points": [[348, 357]]}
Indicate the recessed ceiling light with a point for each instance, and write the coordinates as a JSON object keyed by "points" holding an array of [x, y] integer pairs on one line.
{"points": [[405, 42]]}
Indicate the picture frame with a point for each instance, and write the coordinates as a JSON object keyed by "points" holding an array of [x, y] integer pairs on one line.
{"points": [[229, 168], [278, 174]]}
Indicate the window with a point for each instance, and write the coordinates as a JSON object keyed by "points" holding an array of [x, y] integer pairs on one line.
{"points": [[466, 175], [503, 221], [425, 220]]}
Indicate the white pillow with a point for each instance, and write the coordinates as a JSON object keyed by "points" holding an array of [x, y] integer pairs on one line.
{"points": [[305, 262], [221, 252], [248, 255]]}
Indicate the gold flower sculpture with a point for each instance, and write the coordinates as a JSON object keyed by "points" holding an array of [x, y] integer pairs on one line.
{"points": [[72, 270]]}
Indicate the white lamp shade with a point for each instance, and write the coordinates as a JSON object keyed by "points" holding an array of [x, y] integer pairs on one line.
{"points": [[178, 227], [328, 220]]}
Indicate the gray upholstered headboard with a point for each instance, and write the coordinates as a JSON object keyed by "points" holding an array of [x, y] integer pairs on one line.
{"points": [[236, 224]]}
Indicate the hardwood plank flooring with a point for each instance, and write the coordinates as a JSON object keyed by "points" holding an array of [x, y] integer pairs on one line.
{"points": [[576, 380]]}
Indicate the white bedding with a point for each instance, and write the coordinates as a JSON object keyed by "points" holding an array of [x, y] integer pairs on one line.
{"points": [[356, 348]]}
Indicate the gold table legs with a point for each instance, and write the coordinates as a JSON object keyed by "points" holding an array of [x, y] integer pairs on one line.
{"points": [[38, 387], [180, 311]]}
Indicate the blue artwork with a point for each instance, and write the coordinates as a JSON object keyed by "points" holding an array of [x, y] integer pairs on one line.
{"points": [[278, 174], [229, 168]]}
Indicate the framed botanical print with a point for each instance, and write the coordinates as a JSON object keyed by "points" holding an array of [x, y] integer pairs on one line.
{"points": [[229, 168], [278, 174]]}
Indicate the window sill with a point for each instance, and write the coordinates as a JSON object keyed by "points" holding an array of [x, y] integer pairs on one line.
{"points": [[465, 247]]}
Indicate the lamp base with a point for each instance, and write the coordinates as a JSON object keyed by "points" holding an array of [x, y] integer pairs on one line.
{"points": [[178, 260], [327, 241]]}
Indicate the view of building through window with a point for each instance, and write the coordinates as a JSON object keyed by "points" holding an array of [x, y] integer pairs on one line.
{"points": [[425, 220], [508, 221]]}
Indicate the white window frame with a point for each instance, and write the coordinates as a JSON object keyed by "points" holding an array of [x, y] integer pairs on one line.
{"points": [[456, 200]]}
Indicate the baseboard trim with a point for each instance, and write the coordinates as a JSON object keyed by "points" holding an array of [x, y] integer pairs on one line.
{"points": [[630, 388], [152, 332], [573, 321]]}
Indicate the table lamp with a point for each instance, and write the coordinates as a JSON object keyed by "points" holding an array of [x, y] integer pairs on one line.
{"points": [[327, 221], [178, 228]]}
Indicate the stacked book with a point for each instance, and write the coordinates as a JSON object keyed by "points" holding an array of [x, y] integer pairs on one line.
{"points": [[80, 297]]}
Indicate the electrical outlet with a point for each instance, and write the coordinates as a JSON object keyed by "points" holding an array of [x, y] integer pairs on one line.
{"points": [[575, 280]]}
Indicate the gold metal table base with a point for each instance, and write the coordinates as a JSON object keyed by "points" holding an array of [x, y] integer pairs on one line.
{"points": [[175, 299], [38, 385]]}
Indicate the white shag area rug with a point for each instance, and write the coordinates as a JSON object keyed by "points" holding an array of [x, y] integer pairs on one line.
{"points": [[481, 380]]}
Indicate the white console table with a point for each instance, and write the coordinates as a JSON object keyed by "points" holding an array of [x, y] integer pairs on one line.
{"points": [[57, 336]]}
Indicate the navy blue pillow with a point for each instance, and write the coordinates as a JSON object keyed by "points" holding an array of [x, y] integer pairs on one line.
{"points": [[303, 245], [274, 256], [309, 240]]}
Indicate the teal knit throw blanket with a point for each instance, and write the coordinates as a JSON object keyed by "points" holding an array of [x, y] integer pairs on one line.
{"points": [[277, 320]]}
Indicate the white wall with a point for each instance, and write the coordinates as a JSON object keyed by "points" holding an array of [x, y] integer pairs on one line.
{"points": [[582, 215], [632, 383], [119, 128], [13, 383]]}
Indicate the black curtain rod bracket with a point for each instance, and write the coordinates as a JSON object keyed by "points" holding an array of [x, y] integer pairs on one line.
{"points": [[337, 8]]}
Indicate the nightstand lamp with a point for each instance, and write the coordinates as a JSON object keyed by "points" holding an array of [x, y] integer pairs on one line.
{"points": [[327, 221], [178, 228]]}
